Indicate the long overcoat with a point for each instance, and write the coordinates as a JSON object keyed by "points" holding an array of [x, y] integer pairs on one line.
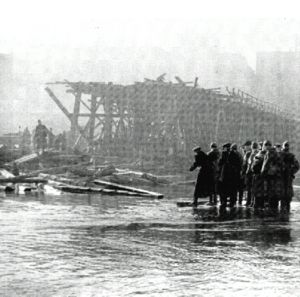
{"points": [[205, 179], [259, 185], [229, 177], [272, 170], [290, 168], [213, 157]]}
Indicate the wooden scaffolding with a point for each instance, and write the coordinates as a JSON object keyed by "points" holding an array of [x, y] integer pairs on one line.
{"points": [[158, 120]]}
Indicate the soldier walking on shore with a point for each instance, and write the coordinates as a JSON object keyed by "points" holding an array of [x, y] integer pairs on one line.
{"points": [[40, 137]]}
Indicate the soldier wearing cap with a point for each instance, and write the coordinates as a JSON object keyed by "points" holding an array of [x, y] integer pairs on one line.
{"points": [[272, 170], [277, 147], [249, 174], [258, 180], [245, 158], [230, 167], [290, 168], [205, 182], [247, 146], [214, 156]]}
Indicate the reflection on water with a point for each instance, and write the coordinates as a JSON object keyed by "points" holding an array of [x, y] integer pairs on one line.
{"points": [[80, 245]]}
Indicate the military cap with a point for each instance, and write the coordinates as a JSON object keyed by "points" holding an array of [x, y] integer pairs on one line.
{"points": [[227, 145], [213, 145], [234, 146], [254, 145], [278, 145], [247, 143], [267, 143], [286, 144], [197, 149]]}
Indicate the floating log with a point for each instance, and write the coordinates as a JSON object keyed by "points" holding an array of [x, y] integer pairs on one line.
{"points": [[92, 190], [7, 189], [22, 179], [121, 192], [77, 189], [190, 204], [126, 188]]}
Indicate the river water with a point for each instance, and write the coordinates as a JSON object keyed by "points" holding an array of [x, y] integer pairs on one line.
{"points": [[80, 245]]}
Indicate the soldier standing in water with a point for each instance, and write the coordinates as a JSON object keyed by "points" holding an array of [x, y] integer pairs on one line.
{"points": [[205, 181], [290, 168], [214, 156]]}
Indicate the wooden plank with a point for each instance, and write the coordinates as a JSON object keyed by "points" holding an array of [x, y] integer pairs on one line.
{"points": [[5, 173], [75, 115], [126, 188], [92, 190], [66, 112], [26, 158], [76, 189]]}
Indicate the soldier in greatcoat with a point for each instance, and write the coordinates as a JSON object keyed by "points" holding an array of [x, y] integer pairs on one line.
{"points": [[243, 181], [249, 173], [205, 181], [290, 168], [272, 170], [230, 167], [258, 180]]}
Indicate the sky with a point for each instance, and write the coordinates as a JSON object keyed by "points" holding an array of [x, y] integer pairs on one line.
{"points": [[234, 26], [49, 38]]}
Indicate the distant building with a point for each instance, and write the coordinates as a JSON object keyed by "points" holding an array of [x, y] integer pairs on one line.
{"points": [[277, 78], [5, 74], [232, 70]]}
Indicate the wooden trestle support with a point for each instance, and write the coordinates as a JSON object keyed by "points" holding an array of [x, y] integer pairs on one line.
{"points": [[160, 121]]}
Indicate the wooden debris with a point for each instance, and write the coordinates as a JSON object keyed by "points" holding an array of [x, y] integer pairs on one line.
{"points": [[5, 173], [26, 158], [77, 189], [126, 188], [22, 179], [108, 170], [93, 190], [58, 169]]}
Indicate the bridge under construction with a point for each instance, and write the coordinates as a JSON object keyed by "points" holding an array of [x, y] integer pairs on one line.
{"points": [[162, 121]]}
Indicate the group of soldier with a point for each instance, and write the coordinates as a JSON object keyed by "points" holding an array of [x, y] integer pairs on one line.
{"points": [[264, 173]]}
